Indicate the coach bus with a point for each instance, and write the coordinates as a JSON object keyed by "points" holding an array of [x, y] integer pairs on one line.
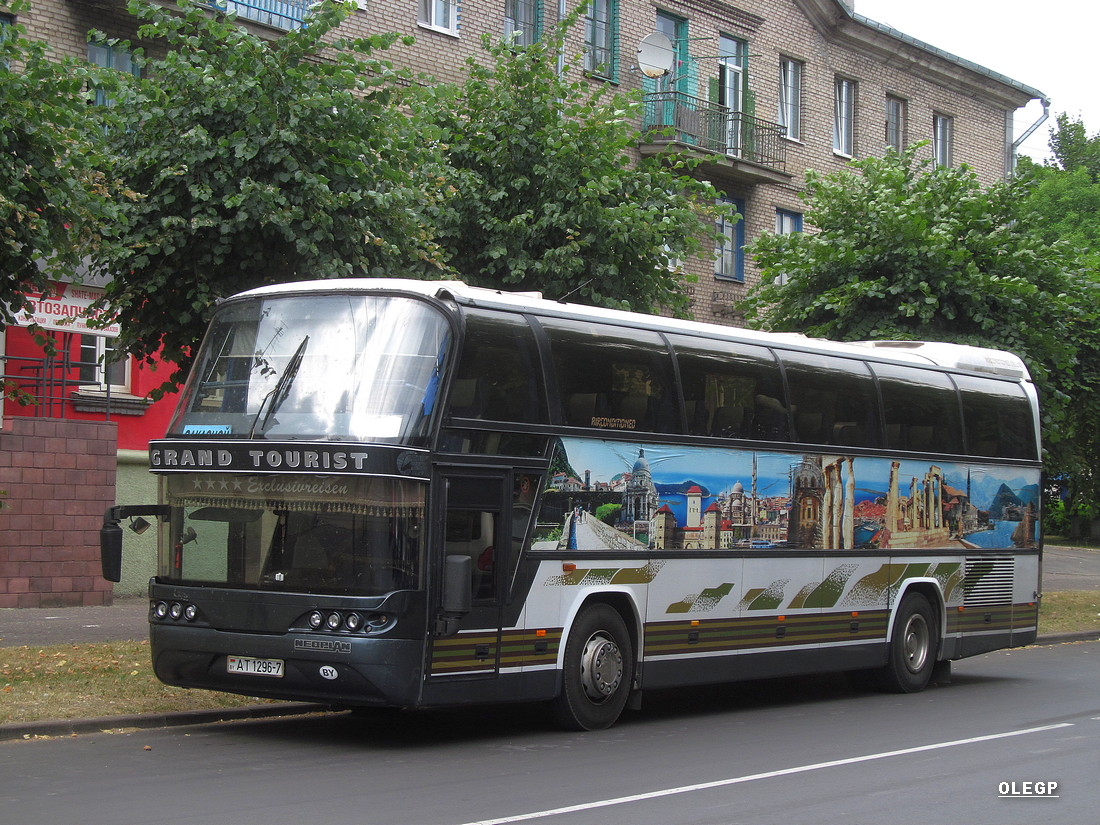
{"points": [[387, 492]]}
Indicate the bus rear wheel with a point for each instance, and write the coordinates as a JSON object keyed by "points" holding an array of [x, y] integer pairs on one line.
{"points": [[913, 647], [598, 670]]}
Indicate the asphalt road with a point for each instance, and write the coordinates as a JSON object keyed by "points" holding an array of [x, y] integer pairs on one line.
{"points": [[809, 750], [1070, 568]]}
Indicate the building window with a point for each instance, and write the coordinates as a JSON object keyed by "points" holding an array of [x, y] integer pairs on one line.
{"points": [[729, 252], [895, 123], [676, 30], [95, 367], [522, 19], [111, 57], [943, 139], [733, 68], [844, 116], [786, 223], [5, 21], [790, 98], [441, 15], [601, 38]]}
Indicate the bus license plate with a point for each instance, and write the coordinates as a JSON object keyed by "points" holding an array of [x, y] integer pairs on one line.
{"points": [[256, 667]]}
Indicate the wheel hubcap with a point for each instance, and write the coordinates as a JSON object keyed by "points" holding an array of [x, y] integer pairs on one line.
{"points": [[601, 667], [916, 643]]}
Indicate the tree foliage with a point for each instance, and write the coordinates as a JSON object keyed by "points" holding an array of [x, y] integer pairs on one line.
{"points": [[54, 198], [258, 162], [546, 195], [1064, 207], [1073, 148], [905, 250], [1065, 192], [902, 250]]}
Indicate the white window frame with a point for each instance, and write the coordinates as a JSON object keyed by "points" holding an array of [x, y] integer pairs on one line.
{"points": [[439, 15], [790, 97], [844, 116], [94, 350], [787, 222], [733, 56], [943, 138]]}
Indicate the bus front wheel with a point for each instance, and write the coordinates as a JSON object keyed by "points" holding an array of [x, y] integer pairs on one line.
{"points": [[599, 669], [913, 647]]}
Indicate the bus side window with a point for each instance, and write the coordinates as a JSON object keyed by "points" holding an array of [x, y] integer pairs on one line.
{"points": [[499, 377], [731, 390], [920, 408], [997, 418], [833, 400], [612, 378]]}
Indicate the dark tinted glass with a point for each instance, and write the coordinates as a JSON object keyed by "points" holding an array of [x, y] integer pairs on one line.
{"points": [[997, 418], [731, 390], [920, 408], [612, 378], [498, 376], [833, 400]]}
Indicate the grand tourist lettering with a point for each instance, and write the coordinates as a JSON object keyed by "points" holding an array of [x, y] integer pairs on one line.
{"points": [[174, 456]]}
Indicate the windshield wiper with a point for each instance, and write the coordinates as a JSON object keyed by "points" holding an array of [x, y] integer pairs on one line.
{"points": [[280, 391]]}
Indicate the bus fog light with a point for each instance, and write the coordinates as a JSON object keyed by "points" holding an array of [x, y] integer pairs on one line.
{"points": [[160, 610], [353, 622], [190, 613], [316, 619], [176, 610], [333, 621]]}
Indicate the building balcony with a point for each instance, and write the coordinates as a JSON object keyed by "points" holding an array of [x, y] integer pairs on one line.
{"points": [[730, 145], [279, 14]]}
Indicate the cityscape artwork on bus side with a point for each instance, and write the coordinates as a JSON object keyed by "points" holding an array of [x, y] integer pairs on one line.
{"points": [[604, 495]]}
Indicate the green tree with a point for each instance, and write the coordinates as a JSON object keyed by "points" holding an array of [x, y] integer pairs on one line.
{"points": [[54, 199], [1065, 192], [904, 251], [547, 197], [1073, 147], [258, 162], [1064, 207]]}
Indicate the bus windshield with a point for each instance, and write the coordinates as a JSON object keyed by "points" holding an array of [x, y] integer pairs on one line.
{"points": [[338, 535], [348, 366]]}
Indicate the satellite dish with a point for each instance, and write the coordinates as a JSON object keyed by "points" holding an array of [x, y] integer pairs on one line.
{"points": [[655, 55]]}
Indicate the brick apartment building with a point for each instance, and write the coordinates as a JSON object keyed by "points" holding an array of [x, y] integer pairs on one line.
{"points": [[759, 91]]}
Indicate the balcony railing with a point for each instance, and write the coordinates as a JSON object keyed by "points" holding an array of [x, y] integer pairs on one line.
{"points": [[675, 117], [279, 14]]}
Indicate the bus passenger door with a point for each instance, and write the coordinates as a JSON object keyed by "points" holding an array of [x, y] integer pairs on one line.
{"points": [[475, 526]]}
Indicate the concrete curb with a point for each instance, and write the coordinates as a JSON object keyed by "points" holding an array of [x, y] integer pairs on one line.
{"points": [[71, 727]]}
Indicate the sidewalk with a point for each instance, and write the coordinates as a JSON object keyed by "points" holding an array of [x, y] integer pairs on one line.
{"points": [[1064, 568]]}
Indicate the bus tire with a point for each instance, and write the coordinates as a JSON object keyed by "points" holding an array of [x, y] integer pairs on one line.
{"points": [[598, 670], [913, 647]]}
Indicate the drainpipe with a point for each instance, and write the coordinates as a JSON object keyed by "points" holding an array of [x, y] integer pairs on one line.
{"points": [[562, 11], [1010, 160]]}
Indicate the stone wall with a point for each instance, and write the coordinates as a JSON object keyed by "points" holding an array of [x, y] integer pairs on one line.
{"points": [[59, 477]]}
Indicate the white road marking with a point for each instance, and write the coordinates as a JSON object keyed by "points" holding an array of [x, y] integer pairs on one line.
{"points": [[737, 780]]}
